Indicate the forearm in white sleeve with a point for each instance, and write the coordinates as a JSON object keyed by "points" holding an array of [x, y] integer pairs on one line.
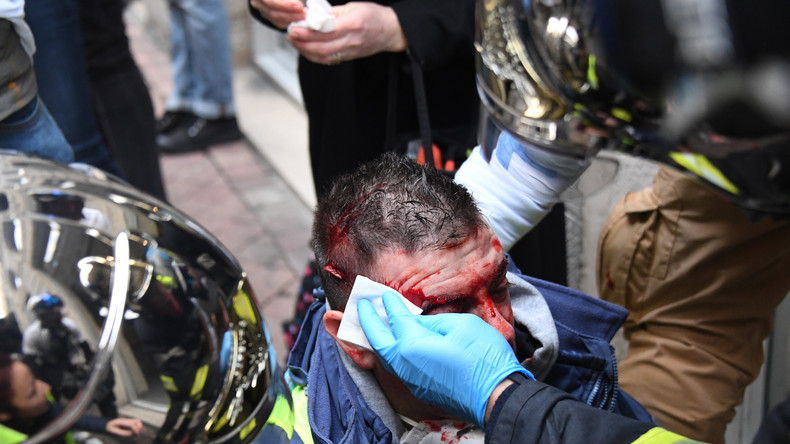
{"points": [[518, 186]]}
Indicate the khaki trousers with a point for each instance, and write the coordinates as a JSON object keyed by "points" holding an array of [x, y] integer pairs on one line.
{"points": [[701, 282]]}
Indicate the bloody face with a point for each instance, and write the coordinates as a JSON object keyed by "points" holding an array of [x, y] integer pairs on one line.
{"points": [[466, 278]]}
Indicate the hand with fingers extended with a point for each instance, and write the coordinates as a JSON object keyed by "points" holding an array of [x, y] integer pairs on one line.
{"points": [[362, 29], [454, 361], [280, 12]]}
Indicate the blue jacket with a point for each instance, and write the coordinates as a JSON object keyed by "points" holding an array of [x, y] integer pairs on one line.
{"points": [[335, 407], [586, 367], [583, 365]]}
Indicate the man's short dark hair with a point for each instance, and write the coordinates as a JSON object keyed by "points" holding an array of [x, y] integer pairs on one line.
{"points": [[389, 204]]}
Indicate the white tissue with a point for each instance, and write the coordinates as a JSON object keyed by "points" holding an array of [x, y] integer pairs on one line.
{"points": [[318, 17], [364, 288]]}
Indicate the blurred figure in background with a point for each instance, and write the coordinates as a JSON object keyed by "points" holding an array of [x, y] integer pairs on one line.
{"points": [[25, 123], [58, 353], [59, 63], [199, 111], [94, 89], [26, 407], [125, 115]]}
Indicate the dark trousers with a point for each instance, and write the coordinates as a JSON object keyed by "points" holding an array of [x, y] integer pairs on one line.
{"points": [[63, 80], [93, 88], [121, 99]]}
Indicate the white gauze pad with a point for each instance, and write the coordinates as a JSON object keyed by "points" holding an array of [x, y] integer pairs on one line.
{"points": [[364, 288]]}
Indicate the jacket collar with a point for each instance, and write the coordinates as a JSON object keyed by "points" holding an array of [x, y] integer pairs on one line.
{"points": [[336, 409]]}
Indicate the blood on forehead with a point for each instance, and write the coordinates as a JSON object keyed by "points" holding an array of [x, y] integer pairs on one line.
{"points": [[468, 270]]}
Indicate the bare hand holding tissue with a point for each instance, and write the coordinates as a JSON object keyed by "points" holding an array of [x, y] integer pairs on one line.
{"points": [[359, 29], [364, 288]]}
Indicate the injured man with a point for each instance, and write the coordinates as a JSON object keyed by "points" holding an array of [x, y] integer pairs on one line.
{"points": [[416, 231]]}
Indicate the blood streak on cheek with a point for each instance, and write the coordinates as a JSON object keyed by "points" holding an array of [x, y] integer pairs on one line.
{"points": [[497, 245], [354, 354], [489, 304]]}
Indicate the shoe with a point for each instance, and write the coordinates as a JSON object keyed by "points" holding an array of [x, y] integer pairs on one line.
{"points": [[199, 135], [173, 119]]}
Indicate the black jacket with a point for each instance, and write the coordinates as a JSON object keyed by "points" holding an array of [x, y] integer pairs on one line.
{"points": [[534, 412]]}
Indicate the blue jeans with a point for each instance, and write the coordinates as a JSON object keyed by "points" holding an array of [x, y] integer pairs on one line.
{"points": [[32, 130], [63, 84], [201, 58]]}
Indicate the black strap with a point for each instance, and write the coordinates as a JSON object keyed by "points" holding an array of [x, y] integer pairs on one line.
{"points": [[422, 110], [392, 105], [421, 101]]}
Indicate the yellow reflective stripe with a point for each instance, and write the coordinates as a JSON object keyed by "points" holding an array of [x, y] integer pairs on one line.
{"points": [[282, 416], [247, 429], [592, 76], [302, 423], [621, 114], [657, 435], [68, 437], [701, 166], [223, 419], [11, 436], [168, 383], [199, 383], [167, 281], [243, 307]]}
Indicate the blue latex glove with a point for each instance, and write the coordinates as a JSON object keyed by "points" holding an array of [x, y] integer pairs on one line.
{"points": [[453, 361]]}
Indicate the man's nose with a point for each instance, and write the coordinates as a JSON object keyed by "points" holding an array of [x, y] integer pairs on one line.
{"points": [[503, 326], [494, 318]]}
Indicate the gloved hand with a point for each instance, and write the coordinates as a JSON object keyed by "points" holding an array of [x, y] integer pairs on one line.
{"points": [[453, 361]]}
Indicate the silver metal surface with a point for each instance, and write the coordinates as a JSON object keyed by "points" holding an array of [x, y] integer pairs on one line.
{"points": [[532, 63], [543, 76], [150, 289]]}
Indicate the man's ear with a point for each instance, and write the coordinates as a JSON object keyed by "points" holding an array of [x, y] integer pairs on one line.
{"points": [[363, 358]]}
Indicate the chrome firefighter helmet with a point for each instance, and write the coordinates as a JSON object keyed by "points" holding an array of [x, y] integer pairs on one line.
{"points": [[159, 300], [702, 85]]}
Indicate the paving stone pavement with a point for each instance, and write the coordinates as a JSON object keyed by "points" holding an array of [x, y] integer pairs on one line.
{"points": [[234, 192]]}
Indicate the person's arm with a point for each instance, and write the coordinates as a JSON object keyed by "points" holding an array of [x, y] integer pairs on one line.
{"points": [[463, 365], [518, 186], [126, 427], [546, 414]]}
